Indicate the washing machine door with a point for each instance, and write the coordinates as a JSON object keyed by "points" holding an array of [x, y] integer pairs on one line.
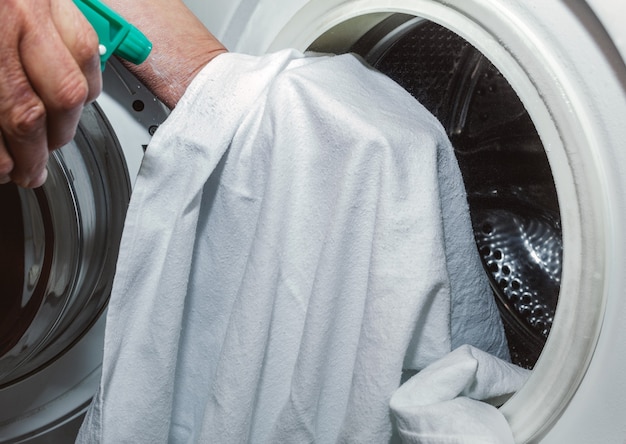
{"points": [[58, 250], [532, 95], [58, 253], [60, 245]]}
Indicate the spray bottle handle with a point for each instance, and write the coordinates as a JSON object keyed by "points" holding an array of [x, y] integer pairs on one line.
{"points": [[116, 35]]}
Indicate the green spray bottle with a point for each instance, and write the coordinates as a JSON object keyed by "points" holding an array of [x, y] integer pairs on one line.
{"points": [[115, 34]]}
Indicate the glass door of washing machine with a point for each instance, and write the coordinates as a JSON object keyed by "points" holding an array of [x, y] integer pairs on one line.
{"points": [[58, 248]]}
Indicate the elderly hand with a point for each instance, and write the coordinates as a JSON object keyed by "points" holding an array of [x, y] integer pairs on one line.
{"points": [[50, 69]]}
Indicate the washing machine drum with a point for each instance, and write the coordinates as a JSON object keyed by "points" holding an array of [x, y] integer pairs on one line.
{"points": [[511, 192], [58, 247]]}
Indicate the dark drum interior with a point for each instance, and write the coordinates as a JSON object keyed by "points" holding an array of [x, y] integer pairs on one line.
{"points": [[511, 192], [11, 260], [17, 314]]}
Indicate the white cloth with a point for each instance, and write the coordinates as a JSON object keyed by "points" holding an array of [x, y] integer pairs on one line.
{"points": [[442, 403], [293, 237]]}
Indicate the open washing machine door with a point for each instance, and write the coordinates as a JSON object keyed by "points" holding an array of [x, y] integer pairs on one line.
{"points": [[58, 250], [532, 95]]}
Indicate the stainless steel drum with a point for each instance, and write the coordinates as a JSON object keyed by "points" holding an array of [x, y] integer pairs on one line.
{"points": [[511, 192]]}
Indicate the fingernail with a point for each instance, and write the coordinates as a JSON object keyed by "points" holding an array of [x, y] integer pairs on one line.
{"points": [[32, 183], [41, 179]]}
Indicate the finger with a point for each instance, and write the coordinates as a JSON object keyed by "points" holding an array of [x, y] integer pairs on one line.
{"points": [[57, 79], [23, 125], [81, 40]]}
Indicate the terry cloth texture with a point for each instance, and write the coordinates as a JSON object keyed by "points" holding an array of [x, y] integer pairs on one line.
{"points": [[297, 235], [442, 404]]}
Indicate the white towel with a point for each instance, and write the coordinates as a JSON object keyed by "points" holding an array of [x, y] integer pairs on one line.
{"points": [[442, 404], [293, 238]]}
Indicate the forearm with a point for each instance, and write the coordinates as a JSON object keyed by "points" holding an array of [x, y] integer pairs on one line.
{"points": [[182, 46]]}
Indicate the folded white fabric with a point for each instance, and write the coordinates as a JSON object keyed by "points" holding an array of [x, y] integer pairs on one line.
{"points": [[298, 232], [442, 404]]}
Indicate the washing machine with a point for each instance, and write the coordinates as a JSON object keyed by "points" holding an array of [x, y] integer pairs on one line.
{"points": [[532, 96], [58, 250]]}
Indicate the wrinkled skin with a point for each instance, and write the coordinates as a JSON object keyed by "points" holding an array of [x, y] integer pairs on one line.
{"points": [[51, 69]]}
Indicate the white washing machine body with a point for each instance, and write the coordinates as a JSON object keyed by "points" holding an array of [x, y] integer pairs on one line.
{"points": [[565, 61], [50, 370]]}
